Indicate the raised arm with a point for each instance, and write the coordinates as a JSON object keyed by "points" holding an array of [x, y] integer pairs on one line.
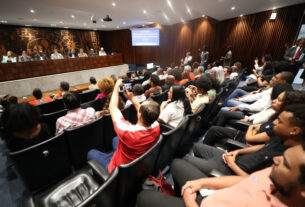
{"points": [[114, 102]]}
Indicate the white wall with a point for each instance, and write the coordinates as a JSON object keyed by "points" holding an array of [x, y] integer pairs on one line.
{"points": [[24, 87]]}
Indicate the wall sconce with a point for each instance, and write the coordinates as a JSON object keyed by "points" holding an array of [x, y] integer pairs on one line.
{"points": [[273, 16]]}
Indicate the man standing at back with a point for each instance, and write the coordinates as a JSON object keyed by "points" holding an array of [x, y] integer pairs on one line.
{"points": [[132, 140]]}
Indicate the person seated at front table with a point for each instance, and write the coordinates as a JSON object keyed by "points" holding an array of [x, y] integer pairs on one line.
{"points": [[64, 88], [24, 57], [198, 94], [102, 52], [281, 185], [40, 55], [175, 108], [106, 86], [154, 89], [82, 53], [93, 84], [9, 58], [76, 116], [132, 140], [56, 55], [22, 127], [72, 53], [91, 53], [39, 100]]}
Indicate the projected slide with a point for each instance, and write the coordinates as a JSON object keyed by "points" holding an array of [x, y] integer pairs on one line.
{"points": [[145, 37]]}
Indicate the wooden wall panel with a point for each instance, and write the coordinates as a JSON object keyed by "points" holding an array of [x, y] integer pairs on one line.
{"points": [[17, 39], [251, 36]]}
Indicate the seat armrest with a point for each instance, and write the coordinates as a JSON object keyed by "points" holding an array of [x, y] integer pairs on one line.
{"points": [[98, 170], [239, 125], [28, 202], [216, 173], [235, 144]]}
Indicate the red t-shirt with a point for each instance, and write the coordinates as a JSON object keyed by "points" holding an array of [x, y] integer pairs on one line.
{"points": [[41, 101], [134, 140]]}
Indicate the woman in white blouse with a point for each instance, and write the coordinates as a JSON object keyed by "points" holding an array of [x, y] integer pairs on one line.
{"points": [[175, 108]]}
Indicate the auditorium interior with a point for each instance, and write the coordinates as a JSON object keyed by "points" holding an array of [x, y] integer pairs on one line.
{"points": [[110, 103]]}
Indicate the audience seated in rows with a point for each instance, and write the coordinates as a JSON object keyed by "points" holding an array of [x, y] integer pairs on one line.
{"points": [[106, 86], [188, 69], [198, 94], [39, 99], [154, 89], [22, 127], [226, 72], [217, 73], [105, 110], [131, 140], [175, 108], [169, 82], [64, 88], [75, 116]]}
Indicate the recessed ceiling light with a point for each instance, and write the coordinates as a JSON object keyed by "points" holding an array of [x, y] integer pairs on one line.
{"points": [[3, 21], [113, 4], [102, 20], [117, 27], [28, 25], [188, 10], [203, 15], [241, 15], [72, 16], [53, 25], [66, 27], [32, 11], [84, 24], [94, 29], [61, 22], [169, 3], [182, 20], [34, 20], [144, 11], [124, 22], [273, 8], [233, 8]]}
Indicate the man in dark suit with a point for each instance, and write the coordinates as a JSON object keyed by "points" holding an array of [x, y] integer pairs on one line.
{"points": [[72, 53], [40, 55], [296, 56]]}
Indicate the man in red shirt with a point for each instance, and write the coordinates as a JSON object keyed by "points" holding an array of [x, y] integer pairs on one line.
{"points": [[132, 140]]}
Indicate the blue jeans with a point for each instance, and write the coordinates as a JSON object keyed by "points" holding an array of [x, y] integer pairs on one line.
{"points": [[103, 158], [235, 94]]}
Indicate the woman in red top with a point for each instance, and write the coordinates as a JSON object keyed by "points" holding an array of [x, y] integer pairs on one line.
{"points": [[39, 100]]}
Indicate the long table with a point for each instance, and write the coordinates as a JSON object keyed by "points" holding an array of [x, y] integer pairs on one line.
{"points": [[21, 70]]}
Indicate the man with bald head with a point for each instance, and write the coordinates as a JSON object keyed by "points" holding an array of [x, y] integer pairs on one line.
{"points": [[169, 81]]}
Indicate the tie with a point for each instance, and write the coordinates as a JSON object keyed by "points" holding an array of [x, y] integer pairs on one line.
{"points": [[297, 53]]}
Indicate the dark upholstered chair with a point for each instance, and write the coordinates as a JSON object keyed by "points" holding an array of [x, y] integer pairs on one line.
{"points": [[169, 146], [87, 96], [43, 164], [82, 139], [81, 189], [96, 104], [161, 97], [50, 119], [51, 107]]}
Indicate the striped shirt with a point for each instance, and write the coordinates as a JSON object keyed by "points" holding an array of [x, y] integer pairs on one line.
{"points": [[75, 118]]}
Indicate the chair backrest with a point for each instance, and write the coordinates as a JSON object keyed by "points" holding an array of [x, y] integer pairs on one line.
{"points": [[96, 104], [50, 119], [161, 97], [50, 107], [132, 175], [133, 115], [169, 146], [108, 129], [82, 139], [87, 96], [44, 164]]}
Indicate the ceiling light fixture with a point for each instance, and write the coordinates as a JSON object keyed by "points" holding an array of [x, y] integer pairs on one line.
{"points": [[124, 22], [94, 29], [233, 8], [273, 16], [144, 11], [72, 16], [273, 8], [66, 27], [241, 15], [61, 22], [169, 3], [188, 10], [32, 11], [34, 20], [53, 25], [3, 21], [113, 3], [28, 25], [203, 15]]}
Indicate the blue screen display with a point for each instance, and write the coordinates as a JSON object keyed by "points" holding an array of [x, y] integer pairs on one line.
{"points": [[145, 37]]}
